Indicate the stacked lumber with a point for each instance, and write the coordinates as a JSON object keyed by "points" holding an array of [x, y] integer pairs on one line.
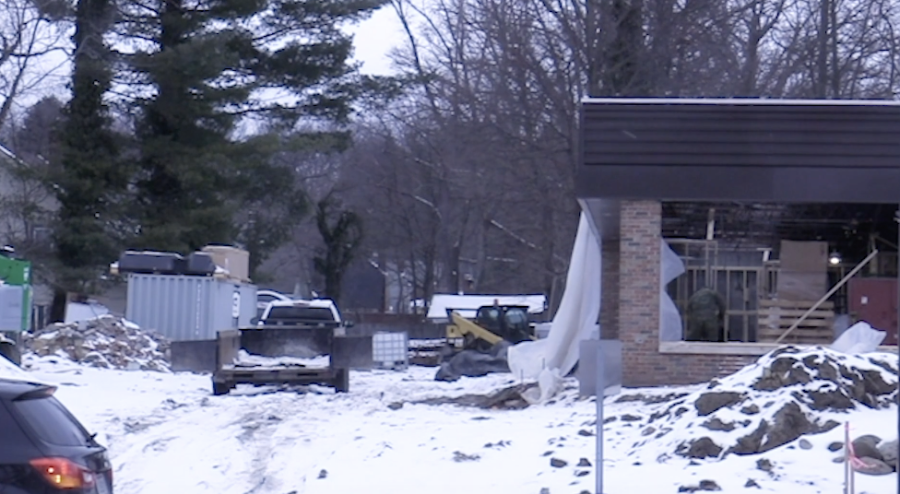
{"points": [[777, 316]]}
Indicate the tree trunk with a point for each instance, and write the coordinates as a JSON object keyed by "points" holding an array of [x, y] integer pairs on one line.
{"points": [[58, 306]]}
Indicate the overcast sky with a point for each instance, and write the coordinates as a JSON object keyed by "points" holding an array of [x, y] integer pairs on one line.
{"points": [[375, 37], [373, 40]]}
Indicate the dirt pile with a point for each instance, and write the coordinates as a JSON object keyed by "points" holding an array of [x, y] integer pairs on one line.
{"points": [[510, 398], [106, 342], [787, 394]]}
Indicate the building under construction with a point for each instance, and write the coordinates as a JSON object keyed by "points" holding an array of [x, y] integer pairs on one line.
{"points": [[784, 209]]}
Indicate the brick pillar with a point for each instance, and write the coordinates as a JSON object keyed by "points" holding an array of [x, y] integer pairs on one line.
{"points": [[609, 290], [639, 272]]}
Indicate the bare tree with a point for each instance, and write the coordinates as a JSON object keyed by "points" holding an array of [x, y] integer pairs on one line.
{"points": [[31, 51], [474, 167], [486, 147]]}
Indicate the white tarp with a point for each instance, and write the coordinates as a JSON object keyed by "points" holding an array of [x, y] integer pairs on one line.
{"points": [[670, 325], [467, 305], [859, 338], [76, 312], [548, 359]]}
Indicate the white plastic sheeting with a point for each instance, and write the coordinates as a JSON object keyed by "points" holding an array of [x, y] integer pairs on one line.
{"points": [[548, 359], [859, 338], [76, 312], [670, 325]]}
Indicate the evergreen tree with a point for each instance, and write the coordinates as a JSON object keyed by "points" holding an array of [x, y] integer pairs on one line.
{"points": [[214, 65], [90, 173]]}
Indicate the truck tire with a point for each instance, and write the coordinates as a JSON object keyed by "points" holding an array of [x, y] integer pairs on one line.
{"points": [[221, 388], [341, 381]]}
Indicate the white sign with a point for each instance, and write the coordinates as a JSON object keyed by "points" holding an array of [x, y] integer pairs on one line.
{"points": [[236, 305]]}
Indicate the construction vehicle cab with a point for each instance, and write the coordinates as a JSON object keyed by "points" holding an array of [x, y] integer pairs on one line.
{"points": [[491, 325]]}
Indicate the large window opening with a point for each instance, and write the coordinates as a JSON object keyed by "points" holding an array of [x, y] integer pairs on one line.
{"points": [[753, 272]]}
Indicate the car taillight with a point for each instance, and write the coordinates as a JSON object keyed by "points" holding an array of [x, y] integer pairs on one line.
{"points": [[64, 473]]}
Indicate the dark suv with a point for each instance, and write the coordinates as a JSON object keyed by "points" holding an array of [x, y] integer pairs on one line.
{"points": [[43, 448]]}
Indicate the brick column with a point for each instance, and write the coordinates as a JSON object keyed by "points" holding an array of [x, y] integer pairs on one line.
{"points": [[609, 290], [639, 271]]}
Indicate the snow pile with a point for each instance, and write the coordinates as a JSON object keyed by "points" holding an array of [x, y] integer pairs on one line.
{"points": [[245, 359], [106, 341], [275, 440], [787, 394], [9, 370]]}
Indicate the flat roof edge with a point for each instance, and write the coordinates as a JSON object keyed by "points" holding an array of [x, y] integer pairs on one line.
{"points": [[740, 101]]}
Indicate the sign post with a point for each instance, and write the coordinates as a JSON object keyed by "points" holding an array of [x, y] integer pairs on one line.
{"points": [[601, 392]]}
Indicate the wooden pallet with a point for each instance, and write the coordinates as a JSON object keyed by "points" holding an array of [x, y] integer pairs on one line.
{"points": [[777, 316]]}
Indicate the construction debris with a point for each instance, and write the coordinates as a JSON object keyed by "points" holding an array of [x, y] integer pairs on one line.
{"points": [[473, 363], [505, 399], [108, 342]]}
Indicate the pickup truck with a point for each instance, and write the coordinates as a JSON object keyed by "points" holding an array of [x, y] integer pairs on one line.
{"points": [[301, 314]]}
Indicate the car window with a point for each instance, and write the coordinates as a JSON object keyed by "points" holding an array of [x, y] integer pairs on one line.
{"points": [[50, 422], [301, 313], [10, 432]]}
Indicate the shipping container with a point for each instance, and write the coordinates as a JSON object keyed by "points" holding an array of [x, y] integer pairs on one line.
{"points": [[186, 308], [874, 300]]}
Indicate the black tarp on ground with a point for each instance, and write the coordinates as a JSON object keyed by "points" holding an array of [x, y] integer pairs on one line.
{"points": [[471, 363]]}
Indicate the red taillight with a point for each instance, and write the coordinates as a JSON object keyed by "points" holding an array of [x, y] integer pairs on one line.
{"points": [[64, 473]]}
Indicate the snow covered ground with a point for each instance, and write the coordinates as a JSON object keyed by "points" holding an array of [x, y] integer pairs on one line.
{"points": [[167, 433]]}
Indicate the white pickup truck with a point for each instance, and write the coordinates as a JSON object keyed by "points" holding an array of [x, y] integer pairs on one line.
{"points": [[301, 313]]}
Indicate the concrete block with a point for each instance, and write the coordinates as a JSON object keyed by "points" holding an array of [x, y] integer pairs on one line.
{"points": [[193, 356]]}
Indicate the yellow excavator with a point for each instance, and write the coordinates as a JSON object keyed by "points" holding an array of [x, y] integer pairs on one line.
{"points": [[492, 324]]}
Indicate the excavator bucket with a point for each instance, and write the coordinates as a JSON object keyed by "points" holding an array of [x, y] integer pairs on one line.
{"points": [[276, 341], [352, 352]]}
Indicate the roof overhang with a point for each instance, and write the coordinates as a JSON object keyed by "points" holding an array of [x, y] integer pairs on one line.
{"points": [[754, 150]]}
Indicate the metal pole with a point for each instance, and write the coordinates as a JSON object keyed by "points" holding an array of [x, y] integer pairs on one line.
{"points": [[601, 392], [830, 293], [846, 458]]}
